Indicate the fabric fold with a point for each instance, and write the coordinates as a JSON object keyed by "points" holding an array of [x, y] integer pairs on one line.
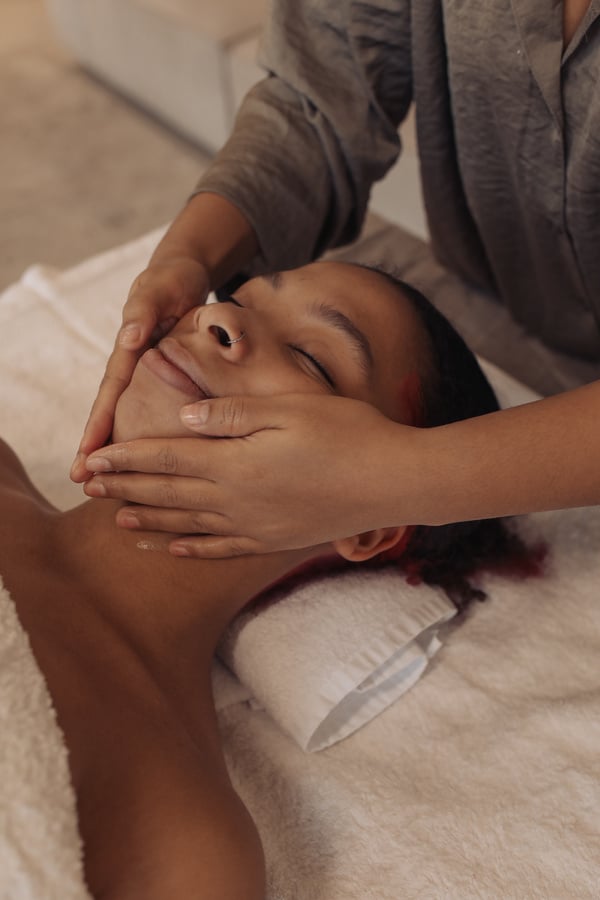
{"points": [[336, 652]]}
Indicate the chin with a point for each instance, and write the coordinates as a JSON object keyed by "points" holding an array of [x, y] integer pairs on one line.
{"points": [[138, 417]]}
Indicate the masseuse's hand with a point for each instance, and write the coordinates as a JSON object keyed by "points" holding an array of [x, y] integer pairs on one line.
{"points": [[158, 297], [294, 471]]}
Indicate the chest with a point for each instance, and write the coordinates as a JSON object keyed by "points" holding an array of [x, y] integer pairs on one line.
{"points": [[573, 13]]}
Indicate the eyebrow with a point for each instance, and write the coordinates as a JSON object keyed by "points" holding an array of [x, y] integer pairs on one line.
{"points": [[274, 279], [336, 319]]}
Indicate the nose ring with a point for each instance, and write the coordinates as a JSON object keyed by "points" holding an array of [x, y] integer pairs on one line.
{"points": [[236, 340]]}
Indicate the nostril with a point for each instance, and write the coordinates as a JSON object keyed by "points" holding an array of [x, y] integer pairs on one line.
{"points": [[222, 336]]}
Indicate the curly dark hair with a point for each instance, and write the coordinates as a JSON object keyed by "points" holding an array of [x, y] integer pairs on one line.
{"points": [[453, 388]]}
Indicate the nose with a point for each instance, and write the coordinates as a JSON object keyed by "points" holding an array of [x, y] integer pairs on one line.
{"points": [[224, 324]]}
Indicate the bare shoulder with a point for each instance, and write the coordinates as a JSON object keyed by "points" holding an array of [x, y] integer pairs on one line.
{"points": [[23, 513]]}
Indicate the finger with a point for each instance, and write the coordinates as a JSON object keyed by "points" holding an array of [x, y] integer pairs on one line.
{"points": [[129, 345], [153, 306], [210, 547], [232, 416], [158, 297], [148, 313], [162, 491], [178, 456], [174, 521], [117, 376], [99, 425]]}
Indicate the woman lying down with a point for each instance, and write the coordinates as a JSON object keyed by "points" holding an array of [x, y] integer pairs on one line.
{"points": [[124, 639]]}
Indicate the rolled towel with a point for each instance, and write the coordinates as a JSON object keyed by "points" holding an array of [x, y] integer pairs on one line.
{"points": [[337, 651]]}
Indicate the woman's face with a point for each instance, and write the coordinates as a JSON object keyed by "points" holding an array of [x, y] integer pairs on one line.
{"points": [[324, 328]]}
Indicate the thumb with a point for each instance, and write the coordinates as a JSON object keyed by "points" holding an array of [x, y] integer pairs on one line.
{"points": [[230, 416]]}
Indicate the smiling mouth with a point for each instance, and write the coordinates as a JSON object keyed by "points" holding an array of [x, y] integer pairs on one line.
{"points": [[170, 362]]}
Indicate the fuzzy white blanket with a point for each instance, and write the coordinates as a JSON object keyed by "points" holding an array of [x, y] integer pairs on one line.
{"points": [[482, 782], [40, 849]]}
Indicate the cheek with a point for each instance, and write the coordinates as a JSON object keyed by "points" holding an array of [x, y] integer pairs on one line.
{"points": [[282, 378], [130, 416]]}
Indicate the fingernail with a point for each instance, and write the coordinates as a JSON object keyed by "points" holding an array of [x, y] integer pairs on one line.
{"points": [[128, 520], [98, 464], [179, 550], [94, 488], [130, 335], [194, 415]]}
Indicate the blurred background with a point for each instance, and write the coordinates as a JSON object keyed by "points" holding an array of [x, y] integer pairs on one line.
{"points": [[111, 109]]}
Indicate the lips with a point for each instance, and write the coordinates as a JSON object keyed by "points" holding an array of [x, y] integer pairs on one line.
{"points": [[174, 365]]}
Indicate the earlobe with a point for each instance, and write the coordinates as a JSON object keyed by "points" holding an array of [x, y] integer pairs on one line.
{"points": [[364, 546]]}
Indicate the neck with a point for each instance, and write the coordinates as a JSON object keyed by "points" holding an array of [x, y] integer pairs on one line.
{"points": [[170, 610]]}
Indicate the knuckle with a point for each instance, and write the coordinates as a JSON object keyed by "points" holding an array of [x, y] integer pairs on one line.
{"points": [[120, 457], [106, 378], [167, 495], [113, 383], [167, 461], [113, 486], [139, 283], [197, 521], [232, 412], [237, 547]]}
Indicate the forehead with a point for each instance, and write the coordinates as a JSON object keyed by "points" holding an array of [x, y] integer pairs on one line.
{"points": [[376, 305], [373, 302]]}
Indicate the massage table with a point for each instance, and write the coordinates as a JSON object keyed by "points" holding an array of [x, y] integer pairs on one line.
{"points": [[482, 780]]}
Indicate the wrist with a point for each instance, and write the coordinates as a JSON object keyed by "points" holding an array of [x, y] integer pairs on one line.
{"points": [[422, 478], [400, 480], [211, 231]]}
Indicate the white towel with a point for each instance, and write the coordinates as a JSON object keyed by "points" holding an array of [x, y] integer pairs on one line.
{"points": [[336, 651], [483, 782], [40, 849]]}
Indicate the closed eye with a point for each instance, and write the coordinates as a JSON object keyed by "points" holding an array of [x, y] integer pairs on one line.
{"points": [[223, 297], [317, 365]]}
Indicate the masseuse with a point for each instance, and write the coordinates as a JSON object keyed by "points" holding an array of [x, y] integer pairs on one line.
{"points": [[508, 116]]}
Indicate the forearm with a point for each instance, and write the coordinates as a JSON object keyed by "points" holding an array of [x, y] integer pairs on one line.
{"points": [[212, 231], [311, 139], [540, 456]]}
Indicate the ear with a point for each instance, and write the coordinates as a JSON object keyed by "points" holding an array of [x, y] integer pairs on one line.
{"points": [[368, 544]]}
